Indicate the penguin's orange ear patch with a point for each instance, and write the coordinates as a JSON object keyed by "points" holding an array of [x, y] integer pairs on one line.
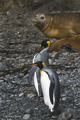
{"points": [[48, 42]]}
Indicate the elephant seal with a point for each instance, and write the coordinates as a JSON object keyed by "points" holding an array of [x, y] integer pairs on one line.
{"points": [[73, 41], [58, 25]]}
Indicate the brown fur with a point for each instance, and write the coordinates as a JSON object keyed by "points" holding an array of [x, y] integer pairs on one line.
{"points": [[74, 41], [58, 25]]}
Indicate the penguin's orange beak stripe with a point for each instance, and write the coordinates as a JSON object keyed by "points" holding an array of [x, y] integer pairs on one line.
{"points": [[34, 64], [41, 48]]}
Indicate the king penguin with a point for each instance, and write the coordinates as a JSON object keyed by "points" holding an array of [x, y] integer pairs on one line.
{"points": [[43, 55], [50, 86]]}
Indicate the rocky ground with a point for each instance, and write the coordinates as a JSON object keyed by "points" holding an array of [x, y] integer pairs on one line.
{"points": [[19, 41]]}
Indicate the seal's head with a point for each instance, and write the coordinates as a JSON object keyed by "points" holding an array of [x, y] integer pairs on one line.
{"points": [[44, 22], [39, 21]]}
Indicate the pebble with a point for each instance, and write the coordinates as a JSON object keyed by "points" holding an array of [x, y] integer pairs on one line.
{"points": [[31, 95], [26, 76], [64, 98], [1, 100], [21, 60], [26, 117], [21, 74], [18, 99], [0, 57], [21, 94], [1, 81], [29, 111], [58, 71], [1, 66], [50, 61]]}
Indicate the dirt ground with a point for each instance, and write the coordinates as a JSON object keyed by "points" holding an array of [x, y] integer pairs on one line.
{"points": [[19, 42]]}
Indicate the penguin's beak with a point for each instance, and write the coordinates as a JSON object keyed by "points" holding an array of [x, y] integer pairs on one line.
{"points": [[41, 48], [34, 64]]}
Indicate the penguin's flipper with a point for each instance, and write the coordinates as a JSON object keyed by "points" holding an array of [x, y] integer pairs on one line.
{"points": [[31, 74], [51, 89], [39, 83]]}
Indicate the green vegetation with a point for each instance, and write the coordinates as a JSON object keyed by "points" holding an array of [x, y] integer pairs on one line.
{"points": [[6, 4], [57, 5]]}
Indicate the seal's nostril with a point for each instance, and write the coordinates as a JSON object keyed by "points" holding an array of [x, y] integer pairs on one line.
{"points": [[36, 16]]}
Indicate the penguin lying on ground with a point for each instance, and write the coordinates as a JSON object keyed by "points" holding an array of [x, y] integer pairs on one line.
{"points": [[43, 55], [67, 48], [50, 86]]}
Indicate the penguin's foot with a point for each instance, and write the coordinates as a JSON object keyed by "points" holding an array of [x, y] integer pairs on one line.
{"points": [[55, 113], [51, 114], [58, 110], [28, 92]]}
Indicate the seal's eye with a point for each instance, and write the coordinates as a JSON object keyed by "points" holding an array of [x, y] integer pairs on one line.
{"points": [[42, 17]]}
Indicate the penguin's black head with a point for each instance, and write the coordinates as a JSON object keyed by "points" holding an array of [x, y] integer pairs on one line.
{"points": [[45, 43], [39, 64]]}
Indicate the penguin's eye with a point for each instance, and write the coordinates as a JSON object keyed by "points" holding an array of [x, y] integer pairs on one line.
{"points": [[42, 17]]}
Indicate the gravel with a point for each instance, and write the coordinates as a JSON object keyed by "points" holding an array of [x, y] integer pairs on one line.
{"points": [[18, 45]]}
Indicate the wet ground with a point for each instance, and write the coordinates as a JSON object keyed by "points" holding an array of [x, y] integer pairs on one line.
{"points": [[19, 41]]}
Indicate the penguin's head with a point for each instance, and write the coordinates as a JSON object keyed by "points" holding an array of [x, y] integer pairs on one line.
{"points": [[45, 43], [39, 64]]}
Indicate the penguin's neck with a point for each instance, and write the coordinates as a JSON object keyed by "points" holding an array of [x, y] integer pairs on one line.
{"points": [[45, 50], [41, 71]]}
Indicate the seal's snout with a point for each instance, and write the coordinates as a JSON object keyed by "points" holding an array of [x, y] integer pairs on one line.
{"points": [[36, 16], [34, 21]]}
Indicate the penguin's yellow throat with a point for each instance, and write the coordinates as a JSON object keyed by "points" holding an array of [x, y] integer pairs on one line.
{"points": [[41, 71]]}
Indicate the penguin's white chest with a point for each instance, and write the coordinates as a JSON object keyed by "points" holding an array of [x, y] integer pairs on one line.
{"points": [[45, 84]]}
